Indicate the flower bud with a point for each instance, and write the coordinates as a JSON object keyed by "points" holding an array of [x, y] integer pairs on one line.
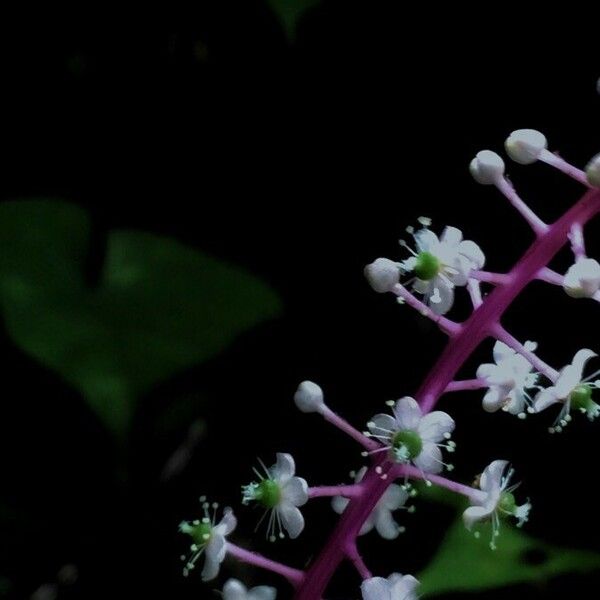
{"points": [[582, 280], [525, 145], [487, 167], [382, 275], [592, 171], [309, 397]]}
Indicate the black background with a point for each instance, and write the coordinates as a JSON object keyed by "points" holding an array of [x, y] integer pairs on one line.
{"points": [[302, 163]]}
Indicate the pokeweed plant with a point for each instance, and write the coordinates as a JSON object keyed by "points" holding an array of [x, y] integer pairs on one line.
{"points": [[410, 443]]}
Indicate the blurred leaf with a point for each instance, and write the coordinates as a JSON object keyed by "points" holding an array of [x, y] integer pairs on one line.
{"points": [[290, 12], [464, 563], [159, 307]]}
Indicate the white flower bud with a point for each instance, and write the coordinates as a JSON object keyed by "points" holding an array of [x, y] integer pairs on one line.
{"points": [[525, 145], [382, 275], [592, 171], [487, 167], [309, 397], [582, 280]]}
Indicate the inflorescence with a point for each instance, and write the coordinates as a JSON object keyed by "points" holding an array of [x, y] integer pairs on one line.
{"points": [[412, 442]]}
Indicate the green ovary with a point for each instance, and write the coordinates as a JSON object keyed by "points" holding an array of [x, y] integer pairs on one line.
{"points": [[427, 267], [410, 441], [268, 493], [581, 397], [201, 533], [507, 503]]}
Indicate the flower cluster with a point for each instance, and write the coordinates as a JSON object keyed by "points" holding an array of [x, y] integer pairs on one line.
{"points": [[411, 443]]}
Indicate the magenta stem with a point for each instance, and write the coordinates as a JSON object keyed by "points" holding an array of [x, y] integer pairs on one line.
{"points": [[356, 559], [550, 276], [294, 576], [446, 325], [489, 277], [501, 334], [538, 226], [474, 290], [562, 165], [348, 491], [458, 488], [344, 426], [577, 241], [460, 346], [466, 384]]}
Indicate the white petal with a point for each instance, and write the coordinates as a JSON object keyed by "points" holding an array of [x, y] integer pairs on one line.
{"points": [[442, 296], [407, 413], [394, 497], [295, 490], [568, 379], [485, 370], [434, 426], [227, 524], [262, 592], [376, 588], [430, 459], [383, 425], [291, 519], [426, 240], [386, 527], [493, 400], [284, 468], [339, 503], [422, 287], [403, 586], [459, 270], [581, 359], [491, 477], [502, 352], [451, 236], [473, 514], [234, 590], [473, 252], [545, 399], [517, 401], [214, 554]]}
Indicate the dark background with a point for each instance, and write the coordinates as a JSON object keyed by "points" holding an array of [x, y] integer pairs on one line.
{"points": [[302, 163]]}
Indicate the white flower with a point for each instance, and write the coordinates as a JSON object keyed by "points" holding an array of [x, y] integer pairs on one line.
{"points": [[383, 274], [381, 518], [508, 379], [280, 493], [395, 587], [582, 280], [592, 171], [236, 590], [440, 264], [571, 390], [309, 397], [208, 540], [487, 167], [495, 500], [411, 437], [525, 145]]}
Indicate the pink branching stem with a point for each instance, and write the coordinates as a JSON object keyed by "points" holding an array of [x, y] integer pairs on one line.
{"points": [[501, 334], [538, 226], [488, 277], [577, 241], [462, 343], [550, 276], [466, 384], [446, 325], [294, 576], [356, 559], [458, 488], [344, 426], [474, 290], [562, 165], [348, 491]]}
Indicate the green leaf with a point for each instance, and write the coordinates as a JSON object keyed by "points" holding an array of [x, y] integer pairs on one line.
{"points": [[466, 564], [290, 12], [159, 307]]}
